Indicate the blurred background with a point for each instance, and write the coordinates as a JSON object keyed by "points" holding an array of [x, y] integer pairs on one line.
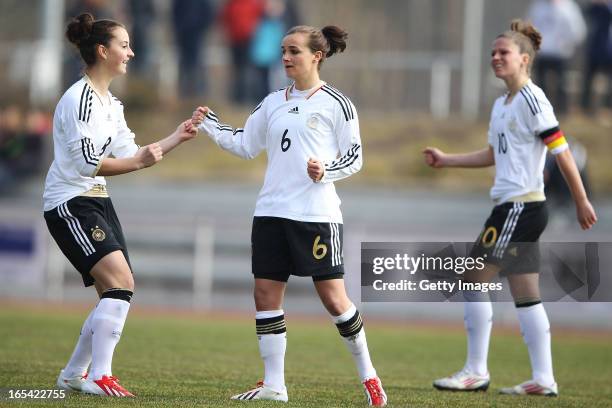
{"points": [[418, 72]]}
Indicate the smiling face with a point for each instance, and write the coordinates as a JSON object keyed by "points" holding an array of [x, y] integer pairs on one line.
{"points": [[299, 61], [116, 56], [506, 59]]}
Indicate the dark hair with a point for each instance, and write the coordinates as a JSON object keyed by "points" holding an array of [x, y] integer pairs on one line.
{"points": [[329, 39], [85, 33], [526, 36]]}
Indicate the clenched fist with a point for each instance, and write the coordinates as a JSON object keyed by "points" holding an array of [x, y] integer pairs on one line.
{"points": [[199, 114], [315, 169], [149, 155]]}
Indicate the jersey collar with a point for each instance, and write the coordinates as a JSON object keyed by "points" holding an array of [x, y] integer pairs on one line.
{"points": [[313, 91]]}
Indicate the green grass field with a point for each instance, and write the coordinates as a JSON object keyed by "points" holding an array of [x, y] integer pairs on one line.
{"points": [[189, 360]]}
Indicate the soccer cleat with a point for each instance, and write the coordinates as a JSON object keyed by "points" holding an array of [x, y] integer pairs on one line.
{"points": [[531, 388], [261, 392], [107, 386], [70, 383], [374, 392], [463, 381]]}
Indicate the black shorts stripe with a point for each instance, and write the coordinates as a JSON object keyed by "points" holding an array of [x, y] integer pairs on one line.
{"points": [[75, 227], [508, 229], [335, 244]]}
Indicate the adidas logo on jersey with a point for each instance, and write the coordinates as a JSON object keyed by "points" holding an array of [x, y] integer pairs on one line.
{"points": [[294, 110]]}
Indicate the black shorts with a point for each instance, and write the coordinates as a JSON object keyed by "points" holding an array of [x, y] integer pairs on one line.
{"points": [[283, 247], [86, 229], [510, 235]]}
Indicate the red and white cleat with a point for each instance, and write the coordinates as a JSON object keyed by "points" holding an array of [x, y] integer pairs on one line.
{"points": [[463, 381], [374, 392], [107, 386], [531, 388]]}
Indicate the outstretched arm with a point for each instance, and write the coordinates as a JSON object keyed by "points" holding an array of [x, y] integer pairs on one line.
{"points": [[129, 157], [584, 210], [146, 156], [184, 132], [245, 142], [480, 158]]}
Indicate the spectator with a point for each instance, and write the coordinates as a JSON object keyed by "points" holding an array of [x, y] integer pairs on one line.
{"points": [[599, 51], [279, 16], [563, 28], [142, 13], [191, 20], [240, 19], [21, 144]]}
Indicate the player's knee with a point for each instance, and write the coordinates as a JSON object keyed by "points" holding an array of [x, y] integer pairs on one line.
{"points": [[266, 298], [336, 305], [128, 281]]}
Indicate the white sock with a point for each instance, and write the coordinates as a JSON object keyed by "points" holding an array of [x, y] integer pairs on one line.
{"points": [[478, 318], [272, 335], [535, 329], [108, 322], [351, 329], [81, 356]]}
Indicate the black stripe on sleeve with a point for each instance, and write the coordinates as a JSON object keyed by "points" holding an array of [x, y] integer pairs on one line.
{"points": [[257, 107], [86, 149], [345, 161], [346, 101], [532, 94], [543, 135], [81, 102], [346, 116], [346, 156], [90, 101], [529, 103]]}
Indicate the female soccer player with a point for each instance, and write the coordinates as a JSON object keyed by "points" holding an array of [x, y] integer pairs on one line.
{"points": [[522, 126], [310, 132], [88, 127]]}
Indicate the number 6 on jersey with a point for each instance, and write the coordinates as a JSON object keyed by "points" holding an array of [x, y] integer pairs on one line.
{"points": [[285, 141]]}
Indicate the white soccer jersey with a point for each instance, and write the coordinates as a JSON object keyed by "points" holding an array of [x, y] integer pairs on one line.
{"points": [[85, 130], [519, 133], [293, 126]]}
